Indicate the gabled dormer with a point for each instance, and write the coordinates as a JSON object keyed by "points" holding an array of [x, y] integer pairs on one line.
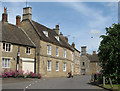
{"points": [[57, 37], [45, 33]]}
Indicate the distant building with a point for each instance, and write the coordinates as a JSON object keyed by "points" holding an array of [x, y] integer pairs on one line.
{"points": [[89, 62]]}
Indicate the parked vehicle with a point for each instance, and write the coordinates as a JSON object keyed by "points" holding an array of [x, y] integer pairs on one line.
{"points": [[70, 75]]}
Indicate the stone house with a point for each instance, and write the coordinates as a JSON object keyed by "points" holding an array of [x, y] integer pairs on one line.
{"points": [[53, 52], [16, 48], [89, 62], [77, 61]]}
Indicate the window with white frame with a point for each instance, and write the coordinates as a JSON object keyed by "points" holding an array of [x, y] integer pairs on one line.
{"points": [[49, 49], [28, 50], [7, 47], [46, 33], [57, 51], [57, 66], [48, 65], [64, 53], [57, 37], [5, 63], [64, 66]]}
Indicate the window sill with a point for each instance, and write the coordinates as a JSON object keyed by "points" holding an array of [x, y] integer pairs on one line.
{"points": [[64, 70], [48, 70]]}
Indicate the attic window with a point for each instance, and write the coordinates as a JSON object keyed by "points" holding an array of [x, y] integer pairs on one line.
{"points": [[46, 33], [57, 37]]}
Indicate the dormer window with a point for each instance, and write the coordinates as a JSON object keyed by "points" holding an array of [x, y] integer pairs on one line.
{"points": [[46, 33], [57, 37]]}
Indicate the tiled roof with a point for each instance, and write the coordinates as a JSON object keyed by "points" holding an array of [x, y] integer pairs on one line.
{"points": [[51, 36], [13, 34]]}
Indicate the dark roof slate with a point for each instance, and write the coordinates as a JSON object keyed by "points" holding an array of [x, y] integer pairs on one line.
{"points": [[13, 34], [51, 36]]}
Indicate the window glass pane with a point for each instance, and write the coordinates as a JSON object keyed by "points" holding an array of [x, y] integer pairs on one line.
{"points": [[6, 47], [3, 62], [9, 46], [57, 51], [8, 63], [48, 49], [64, 66], [57, 66], [49, 65], [3, 45], [28, 50]]}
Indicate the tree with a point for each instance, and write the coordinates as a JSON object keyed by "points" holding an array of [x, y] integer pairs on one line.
{"points": [[109, 53]]}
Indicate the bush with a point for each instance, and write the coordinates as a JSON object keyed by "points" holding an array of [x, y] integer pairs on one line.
{"points": [[19, 74]]}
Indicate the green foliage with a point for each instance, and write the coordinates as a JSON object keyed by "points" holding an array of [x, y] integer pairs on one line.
{"points": [[109, 53]]}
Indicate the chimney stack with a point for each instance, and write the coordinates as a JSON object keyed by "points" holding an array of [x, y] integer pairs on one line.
{"points": [[94, 52], [27, 13], [5, 15], [73, 45], [18, 20], [57, 29], [66, 39], [83, 50]]}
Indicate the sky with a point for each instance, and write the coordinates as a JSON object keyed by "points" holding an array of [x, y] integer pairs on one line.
{"points": [[82, 22]]}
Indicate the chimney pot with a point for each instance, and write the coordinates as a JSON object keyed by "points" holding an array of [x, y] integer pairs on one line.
{"points": [[18, 19], [94, 52], [27, 13], [5, 9], [83, 50], [66, 39], [5, 15], [73, 45], [61, 33], [56, 29]]}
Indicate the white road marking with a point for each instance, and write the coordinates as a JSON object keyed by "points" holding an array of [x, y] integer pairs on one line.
{"points": [[29, 84], [27, 87]]}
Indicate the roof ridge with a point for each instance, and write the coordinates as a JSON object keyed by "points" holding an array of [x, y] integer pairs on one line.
{"points": [[42, 25]]}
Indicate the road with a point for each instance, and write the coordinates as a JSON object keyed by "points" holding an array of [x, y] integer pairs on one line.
{"points": [[78, 82]]}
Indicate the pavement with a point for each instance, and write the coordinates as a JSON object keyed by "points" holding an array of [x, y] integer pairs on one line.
{"points": [[78, 82]]}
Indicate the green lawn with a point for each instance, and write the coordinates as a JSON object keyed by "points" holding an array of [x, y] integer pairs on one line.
{"points": [[115, 86]]}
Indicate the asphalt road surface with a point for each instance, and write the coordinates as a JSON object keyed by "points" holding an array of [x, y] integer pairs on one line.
{"points": [[78, 82]]}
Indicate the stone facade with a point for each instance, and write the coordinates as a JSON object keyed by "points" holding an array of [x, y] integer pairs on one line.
{"points": [[44, 57], [77, 62], [12, 56]]}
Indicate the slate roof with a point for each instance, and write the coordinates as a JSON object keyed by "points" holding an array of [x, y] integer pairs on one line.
{"points": [[93, 58], [13, 34], [51, 36]]}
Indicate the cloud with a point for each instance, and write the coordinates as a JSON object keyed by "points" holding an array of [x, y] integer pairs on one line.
{"points": [[94, 26], [96, 32]]}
